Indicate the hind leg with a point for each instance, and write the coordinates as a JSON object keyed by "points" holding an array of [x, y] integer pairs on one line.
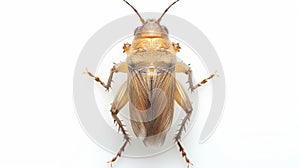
{"points": [[119, 102], [184, 102]]}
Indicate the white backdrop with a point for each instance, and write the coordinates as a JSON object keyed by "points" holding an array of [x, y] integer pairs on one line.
{"points": [[256, 42]]}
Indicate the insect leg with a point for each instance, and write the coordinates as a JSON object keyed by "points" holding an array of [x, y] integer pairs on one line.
{"points": [[182, 67], [121, 67], [119, 102], [182, 99]]}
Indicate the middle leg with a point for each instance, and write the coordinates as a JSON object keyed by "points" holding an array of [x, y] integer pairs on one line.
{"points": [[121, 67], [182, 67]]}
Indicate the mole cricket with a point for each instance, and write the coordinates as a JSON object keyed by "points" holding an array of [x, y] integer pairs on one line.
{"points": [[151, 87]]}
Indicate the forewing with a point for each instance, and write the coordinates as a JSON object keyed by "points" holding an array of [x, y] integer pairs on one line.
{"points": [[151, 104]]}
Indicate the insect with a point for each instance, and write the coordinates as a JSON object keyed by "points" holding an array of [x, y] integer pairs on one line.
{"points": [[151, 88]]}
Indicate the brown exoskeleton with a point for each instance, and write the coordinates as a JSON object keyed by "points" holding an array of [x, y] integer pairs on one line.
{"points": [[151, 87]]}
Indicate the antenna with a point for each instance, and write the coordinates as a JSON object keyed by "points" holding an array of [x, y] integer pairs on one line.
{"points": [[142, 20], [158, 20]]}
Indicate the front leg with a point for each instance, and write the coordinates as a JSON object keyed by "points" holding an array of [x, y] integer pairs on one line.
{"points": [[121, 67], [181, 67]]}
